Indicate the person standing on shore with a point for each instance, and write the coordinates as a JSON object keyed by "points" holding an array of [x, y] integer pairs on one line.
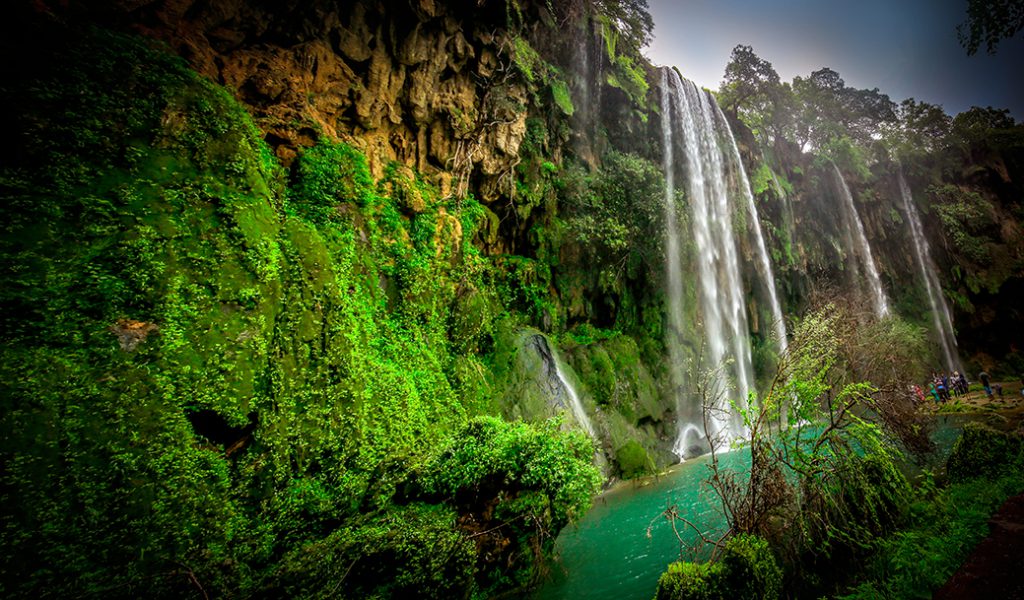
{"points": [[986, 383]]}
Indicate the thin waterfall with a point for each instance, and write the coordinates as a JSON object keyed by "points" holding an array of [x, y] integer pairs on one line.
{"points": [[778, 323], [553, 371], [574, 402], [940, 311], [878, 298], [691, 118]]}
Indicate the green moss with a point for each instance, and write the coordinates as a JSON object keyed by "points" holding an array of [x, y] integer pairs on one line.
{"points": [[329, 175], [690, 581], [751, 571], [984, 452], [746, 570], [633, 461], [320, 317], [560, 94]]}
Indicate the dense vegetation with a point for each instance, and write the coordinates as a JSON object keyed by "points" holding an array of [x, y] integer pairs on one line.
{"points": [[234, 365], [219, 377]]}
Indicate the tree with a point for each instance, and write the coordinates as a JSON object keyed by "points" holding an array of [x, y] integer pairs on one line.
{"points": [[920, 127], [749, 83], [988, 22], [631, 18], [823, 479], [830, 109]]}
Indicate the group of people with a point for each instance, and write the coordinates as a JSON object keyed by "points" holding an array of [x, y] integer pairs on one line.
{"points": [[944, 386]]}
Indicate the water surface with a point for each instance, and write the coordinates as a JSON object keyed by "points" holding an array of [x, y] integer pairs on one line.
{"points": [[608, 554]]}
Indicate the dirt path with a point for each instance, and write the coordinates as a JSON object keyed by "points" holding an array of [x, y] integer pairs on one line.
{"points": [[996, 567]]}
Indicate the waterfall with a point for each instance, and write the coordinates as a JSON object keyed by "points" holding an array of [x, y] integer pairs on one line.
{"points": [[778, 323], [554, 371], [674, 277], [574, 402], [940, 311], [878, 297], [692, 119]]}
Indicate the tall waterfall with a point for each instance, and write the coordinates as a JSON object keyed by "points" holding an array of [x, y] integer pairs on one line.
{"points": [[940, 311], [692, 122], [765, 265], [855, 230], [674, 276]]}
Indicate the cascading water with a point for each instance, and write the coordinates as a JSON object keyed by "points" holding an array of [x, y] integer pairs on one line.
{"points": [[574, 402], [940, 311], [856, 231], [692, 119], [778, 323], [674, 275], [554, 371]]}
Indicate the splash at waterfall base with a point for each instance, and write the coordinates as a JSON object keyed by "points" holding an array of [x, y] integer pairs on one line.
{"points": [[697, 142]]}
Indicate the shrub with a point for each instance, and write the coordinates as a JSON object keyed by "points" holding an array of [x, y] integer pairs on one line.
{"points": [[690, 581], [747, 569], [632, 460], [751, 569], [984, 452]]}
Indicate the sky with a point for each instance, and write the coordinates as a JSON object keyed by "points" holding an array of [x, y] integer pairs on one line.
{"points": [[906, 48]]}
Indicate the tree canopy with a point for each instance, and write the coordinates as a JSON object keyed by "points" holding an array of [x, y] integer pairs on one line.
{"points": [[989, 22]]}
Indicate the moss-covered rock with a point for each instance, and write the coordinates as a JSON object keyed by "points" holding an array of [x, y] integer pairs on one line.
{"points": [[633, 461], [690, 581], [981, 451], [747, 570], [212, 362]]}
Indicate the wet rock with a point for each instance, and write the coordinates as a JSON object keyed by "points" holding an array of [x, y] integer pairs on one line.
{"points": [[130, 333]]}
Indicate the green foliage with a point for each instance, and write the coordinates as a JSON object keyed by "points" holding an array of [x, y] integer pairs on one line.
{"points": [[984, 452], [405, 551], [921, 128], [328, 175], [825, 483], [540, 73], [616, 217], [560, 93], [761, 180], [746, 570], [233, 373], [522, 457], [526, 59], [633, 460], [627, 73], [751, 89], [989, 22], [691, 581], [945, 527], [830, 109], [751, 569], [630, 19], [966, 216], [537, 479], [847, 155]]}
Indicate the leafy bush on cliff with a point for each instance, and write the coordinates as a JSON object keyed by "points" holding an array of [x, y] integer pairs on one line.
{"points": [[216, 380]]}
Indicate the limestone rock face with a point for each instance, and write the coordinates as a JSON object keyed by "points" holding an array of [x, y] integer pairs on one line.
{"points": [[402, 83]]}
